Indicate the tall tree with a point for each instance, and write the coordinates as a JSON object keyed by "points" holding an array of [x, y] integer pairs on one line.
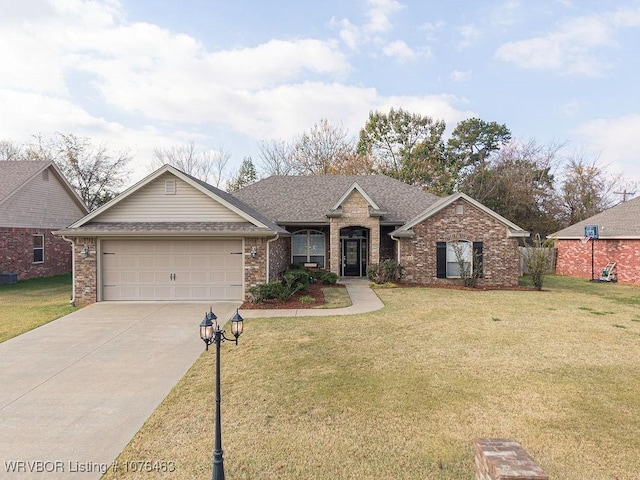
{"points": [[10, 150], [474, 140], [276, 157], [322, 150], [518, 183], [207, 165], [246, 175], [586, 189], [406, 146], [96, 174]]}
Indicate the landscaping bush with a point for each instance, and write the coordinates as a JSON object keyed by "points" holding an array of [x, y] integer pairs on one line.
{"points": [[327, 278], [265, 291], [386, 271], [293, 281], [297, 280]]}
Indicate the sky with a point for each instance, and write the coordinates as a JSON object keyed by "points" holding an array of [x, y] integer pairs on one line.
{"points": [[227, 75]]}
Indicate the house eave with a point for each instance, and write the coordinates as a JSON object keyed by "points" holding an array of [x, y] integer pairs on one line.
{"points": [[517, 233], [403, 234], [600, 237]]}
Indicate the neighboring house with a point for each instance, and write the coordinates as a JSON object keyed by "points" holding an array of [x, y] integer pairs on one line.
{"points": [[173, 237], [35, 199], [619, 241]]}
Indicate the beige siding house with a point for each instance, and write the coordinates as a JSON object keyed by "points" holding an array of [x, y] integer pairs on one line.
{"points": [[35, 199], [173, 237]]}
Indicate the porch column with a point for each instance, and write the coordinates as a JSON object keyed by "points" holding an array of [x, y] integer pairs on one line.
{"points": [[334, 246]]}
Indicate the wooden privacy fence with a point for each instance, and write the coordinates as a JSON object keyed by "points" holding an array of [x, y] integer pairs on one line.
{"points": [[524, 254]]}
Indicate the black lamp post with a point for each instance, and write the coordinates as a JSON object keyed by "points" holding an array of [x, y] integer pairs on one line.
{"points": [[210, 332]]}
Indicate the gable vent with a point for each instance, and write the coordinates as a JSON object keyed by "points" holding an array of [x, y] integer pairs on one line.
{"points": [[45, 175], [170, 186]]}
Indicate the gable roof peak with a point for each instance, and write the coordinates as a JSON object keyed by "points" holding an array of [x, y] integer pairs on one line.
{"points": [[355, 186]]}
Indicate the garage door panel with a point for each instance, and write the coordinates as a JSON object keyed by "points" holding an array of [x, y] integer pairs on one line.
{"points": [[172, 270]]}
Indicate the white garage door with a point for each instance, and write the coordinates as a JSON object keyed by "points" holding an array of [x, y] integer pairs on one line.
{"points": [[172, 270]]}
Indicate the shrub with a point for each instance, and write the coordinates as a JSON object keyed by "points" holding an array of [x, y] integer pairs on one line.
{"points": [[265, 291], [297, 279], [386, 271], [327, 278], [293, 281], [538, 259], [307, 299]]}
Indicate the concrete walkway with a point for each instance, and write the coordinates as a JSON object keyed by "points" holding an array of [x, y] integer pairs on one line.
{"points": [[363, 300], [75, 391]]}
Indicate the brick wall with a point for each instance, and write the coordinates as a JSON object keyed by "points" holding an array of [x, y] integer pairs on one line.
{"points": [[255, 268], [574, 258], [504, 459], [16, 253], [279, 257], [387, 244], [500, 254]]}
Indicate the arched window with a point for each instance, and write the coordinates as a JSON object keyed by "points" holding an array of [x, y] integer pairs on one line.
{"points": [[307, 246]]}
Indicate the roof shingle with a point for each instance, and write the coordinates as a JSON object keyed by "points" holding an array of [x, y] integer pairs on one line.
{"points": [[621, 221], [308, 199]]}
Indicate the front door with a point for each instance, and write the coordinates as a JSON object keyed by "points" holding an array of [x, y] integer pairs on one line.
{"points": [[351, 257]]}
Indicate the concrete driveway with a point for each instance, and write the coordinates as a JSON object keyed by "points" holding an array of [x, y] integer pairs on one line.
{"points": [[75, 391]]}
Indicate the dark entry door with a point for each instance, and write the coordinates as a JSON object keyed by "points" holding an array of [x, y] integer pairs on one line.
{"points": [[351, 254]]}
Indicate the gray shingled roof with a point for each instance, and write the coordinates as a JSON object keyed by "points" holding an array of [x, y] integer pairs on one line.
{"points": [[14, 173], [165, 228], [308, 199], [621, 221]]}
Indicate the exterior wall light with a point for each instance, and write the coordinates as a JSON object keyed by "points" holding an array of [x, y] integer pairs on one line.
{"points": [[254, 251], [84, 253]]}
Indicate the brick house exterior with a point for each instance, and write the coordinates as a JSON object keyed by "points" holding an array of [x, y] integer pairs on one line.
{"points": [[35, 199], [460, 218], [618, 241], [173, 237]]}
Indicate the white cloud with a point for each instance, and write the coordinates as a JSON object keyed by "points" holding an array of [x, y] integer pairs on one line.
{"points": [[616, 141], [81, 67], [432, 30], [378, 15], [470, 34], [573, 48], [399, 50], [459, 75], [506, 14]]}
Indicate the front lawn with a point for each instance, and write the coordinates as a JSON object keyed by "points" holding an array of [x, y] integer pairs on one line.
{"points": [[401, 393], [31, 303]]}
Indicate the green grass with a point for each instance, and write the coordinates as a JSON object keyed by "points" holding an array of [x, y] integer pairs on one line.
{"points": [[31, 303], [401, 393]]}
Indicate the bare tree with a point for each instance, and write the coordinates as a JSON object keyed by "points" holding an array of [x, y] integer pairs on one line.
{"points": [[276, 157], [10, 150], [323, 150], [586, 189], [208, 166], [97, 174], [94, 172]]}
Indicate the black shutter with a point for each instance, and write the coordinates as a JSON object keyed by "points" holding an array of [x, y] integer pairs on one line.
{"points": [[441, 259], [477, 257]]}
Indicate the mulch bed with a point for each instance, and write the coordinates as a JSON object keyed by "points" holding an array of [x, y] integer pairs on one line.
{"points": [[315, 292]]}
